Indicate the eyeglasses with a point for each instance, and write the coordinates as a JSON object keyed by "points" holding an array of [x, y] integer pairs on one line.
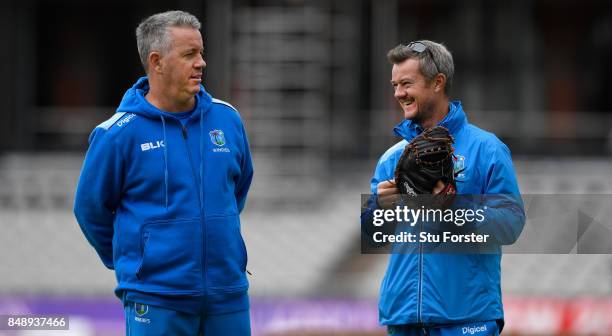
{"points": [[420, 47]]}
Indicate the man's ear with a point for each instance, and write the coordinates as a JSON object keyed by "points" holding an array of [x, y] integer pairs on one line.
{"points": [[155, 62], [439, 82]]}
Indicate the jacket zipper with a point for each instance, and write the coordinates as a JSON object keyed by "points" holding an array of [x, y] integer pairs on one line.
{"points": [[420, 291], [202, 226]]}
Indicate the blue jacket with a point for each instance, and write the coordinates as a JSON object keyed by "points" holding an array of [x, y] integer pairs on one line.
{"points": [[434, 289], [160, 201]]}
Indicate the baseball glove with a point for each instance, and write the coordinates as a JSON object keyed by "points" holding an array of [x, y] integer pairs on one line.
{"points": [[427, 159]]}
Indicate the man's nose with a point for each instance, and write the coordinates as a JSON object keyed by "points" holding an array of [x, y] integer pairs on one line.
{"points": [[399, 93], [200, 64]]}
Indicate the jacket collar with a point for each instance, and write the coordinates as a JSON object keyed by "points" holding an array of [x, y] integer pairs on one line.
{"points": [[134, 101], [454, 121]]}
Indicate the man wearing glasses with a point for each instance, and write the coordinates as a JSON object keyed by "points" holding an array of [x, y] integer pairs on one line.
{"points": [[453, 293]]}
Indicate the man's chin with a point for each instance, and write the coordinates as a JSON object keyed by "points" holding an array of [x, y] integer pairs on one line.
{"points": [[410, 114], [194, 90]]}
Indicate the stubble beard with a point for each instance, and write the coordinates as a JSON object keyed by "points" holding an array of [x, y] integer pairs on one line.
{"points": [[424, 113]]}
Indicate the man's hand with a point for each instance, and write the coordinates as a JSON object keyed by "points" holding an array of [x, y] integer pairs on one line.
{"points": [[388, 194], [439, 187]]}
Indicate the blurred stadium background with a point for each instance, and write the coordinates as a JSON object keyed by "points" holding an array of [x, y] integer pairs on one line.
{"points": [[311, 81]]}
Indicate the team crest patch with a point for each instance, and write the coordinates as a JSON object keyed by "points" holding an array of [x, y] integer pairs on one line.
{"points": [[141, 309], [459, 165], [217, 137]]}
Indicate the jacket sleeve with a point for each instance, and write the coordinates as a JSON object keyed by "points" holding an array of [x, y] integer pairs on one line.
{"points": [[246, 173], [98, 193], [504, 214], [370, 204], [382, 172]]}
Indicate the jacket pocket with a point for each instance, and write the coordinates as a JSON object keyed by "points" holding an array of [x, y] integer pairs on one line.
{"points": [[171, 253], [144, 237], [226, 254]]}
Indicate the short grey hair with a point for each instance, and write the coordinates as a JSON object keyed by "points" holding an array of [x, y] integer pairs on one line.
{"points": [[442, 61], [152, 33]]}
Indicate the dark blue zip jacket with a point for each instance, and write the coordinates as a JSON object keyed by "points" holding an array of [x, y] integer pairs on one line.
{"points": [[160, 202], [438, 289]]}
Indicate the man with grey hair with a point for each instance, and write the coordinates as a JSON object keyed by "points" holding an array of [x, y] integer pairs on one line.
{"points": [[444, 294], [161, 189]]}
